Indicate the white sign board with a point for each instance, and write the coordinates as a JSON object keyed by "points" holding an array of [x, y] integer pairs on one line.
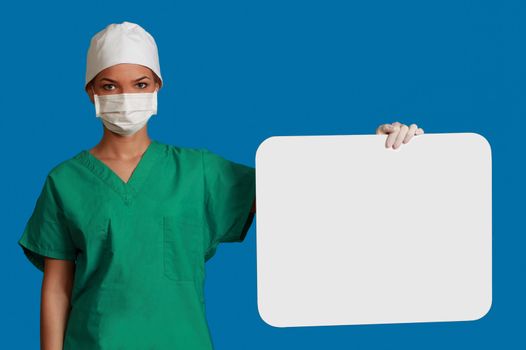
{"points": [[350, 232]]}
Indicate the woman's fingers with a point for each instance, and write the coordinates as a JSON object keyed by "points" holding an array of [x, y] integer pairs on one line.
{"points": [[398, 133], [392, 136], [384, 129], [401, 136], [410, 133]]}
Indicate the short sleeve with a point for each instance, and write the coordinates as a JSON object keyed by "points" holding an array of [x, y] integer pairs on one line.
{"points": [[46, 232], [230, 191]]}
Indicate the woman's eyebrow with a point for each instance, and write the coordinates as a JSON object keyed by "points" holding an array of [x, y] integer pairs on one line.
{"points": [[141, 78], [113, 81], [108, 79]]}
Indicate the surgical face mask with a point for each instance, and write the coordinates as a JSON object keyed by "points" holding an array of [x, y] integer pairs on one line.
{"points": [[125, 113]]}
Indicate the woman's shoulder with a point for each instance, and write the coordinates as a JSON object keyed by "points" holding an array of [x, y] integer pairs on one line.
{"points": [[180, 151]]}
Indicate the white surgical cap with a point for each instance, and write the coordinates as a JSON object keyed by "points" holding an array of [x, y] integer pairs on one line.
{"points": [[121, 43]]}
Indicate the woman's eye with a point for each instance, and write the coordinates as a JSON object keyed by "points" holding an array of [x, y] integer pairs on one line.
{"points": [[142, 86], [107, 87]]}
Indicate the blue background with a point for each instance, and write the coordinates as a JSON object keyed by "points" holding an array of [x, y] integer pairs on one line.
{"points": [[237, 72]]}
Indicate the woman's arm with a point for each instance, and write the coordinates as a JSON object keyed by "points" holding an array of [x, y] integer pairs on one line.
{"points": [[55, 304]]}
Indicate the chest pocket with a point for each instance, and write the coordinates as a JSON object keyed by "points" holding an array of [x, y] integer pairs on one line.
{"points": [[181, 243]]}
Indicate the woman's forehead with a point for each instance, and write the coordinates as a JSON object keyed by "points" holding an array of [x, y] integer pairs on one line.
{"points": [[125, 71]]}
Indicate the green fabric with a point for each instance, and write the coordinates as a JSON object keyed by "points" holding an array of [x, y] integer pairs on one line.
{"points": [[140, 247]]}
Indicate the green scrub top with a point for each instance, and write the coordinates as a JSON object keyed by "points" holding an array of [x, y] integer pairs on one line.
{"points": [[140, 246]]}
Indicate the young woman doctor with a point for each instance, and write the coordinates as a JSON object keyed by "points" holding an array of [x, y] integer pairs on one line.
{"points": [[122, 231]]}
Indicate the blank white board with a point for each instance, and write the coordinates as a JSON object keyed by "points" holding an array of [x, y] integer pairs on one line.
{"points": [[350, 232]]}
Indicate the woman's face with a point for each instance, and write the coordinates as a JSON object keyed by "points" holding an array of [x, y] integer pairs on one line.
{"points": [[123, 78]]}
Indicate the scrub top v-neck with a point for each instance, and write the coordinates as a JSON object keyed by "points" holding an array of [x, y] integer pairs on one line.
{"points": [[127, 190], [140, 246]]}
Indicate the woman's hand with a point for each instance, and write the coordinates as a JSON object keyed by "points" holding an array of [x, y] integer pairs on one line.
{"points": [[398, 133]]}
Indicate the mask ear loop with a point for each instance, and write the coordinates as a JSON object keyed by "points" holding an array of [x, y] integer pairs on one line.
{"points": [[95, 100]]}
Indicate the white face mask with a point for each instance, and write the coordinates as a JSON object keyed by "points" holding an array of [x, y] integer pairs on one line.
{"points": [[125, 113]]}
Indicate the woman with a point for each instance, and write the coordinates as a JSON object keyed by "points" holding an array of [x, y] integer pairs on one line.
{"points": [[122, 231]]}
